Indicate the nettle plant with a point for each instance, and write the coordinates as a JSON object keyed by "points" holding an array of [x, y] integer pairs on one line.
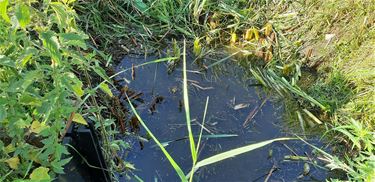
{"points": [[41, 59]]}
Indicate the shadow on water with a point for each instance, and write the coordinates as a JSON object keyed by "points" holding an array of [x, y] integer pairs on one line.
{"points": [[233, 100]]}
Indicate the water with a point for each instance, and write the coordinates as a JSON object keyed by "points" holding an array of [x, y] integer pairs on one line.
{"points": [[226, 90]]}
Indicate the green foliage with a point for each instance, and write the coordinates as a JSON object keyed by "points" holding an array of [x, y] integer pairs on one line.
{"points": [[333, 92], [40, 52], [359, 135]]}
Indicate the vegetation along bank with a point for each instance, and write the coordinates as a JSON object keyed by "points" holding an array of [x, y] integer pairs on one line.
{"points": [[56, 61]]}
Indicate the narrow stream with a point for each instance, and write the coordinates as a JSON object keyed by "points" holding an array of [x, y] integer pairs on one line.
{"points": [[238, 114]]}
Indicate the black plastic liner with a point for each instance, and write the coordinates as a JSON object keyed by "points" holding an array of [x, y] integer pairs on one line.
{"points": [[87, 151]]}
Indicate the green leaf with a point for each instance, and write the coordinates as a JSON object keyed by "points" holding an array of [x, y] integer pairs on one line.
{"points": [[22, 84], [193, 151], [26, 56], [61, 14], [30, 99], [77, 89], [23, 15], [40, 174], [140, 5], [68, 1], [5, 61], [30, 77], [3, 10], [58, 165], [71, 82], [101, 72], [51, 43], [175, 166], [73, 39], [105, 88], [234, 152], [3, 113], [79, 119]]}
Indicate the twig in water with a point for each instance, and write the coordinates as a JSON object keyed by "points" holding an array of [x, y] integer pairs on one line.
{"points": [[286, 146], [204, 128], [200, 87], [253, 113], [274, 168]]}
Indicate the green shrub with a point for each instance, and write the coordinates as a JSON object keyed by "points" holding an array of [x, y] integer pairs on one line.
{"points": [[40, 60]]}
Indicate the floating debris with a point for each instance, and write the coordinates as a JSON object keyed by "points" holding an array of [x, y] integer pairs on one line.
{"points": [[241, 106]]}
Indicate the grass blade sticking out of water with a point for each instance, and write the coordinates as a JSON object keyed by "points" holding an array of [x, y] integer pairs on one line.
{"points": [[200, 136], [187, 108], [222, 60], [204, 119], [232, 153], [213, 136], [170, 159]]}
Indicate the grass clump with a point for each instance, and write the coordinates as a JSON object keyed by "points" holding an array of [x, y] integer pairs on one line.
{"points": [[342, 37]]}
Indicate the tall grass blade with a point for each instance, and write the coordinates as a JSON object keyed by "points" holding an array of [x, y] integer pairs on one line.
{"points": [[222, 60], [234, 152], [213, 136], [175, 166], [204, 119], [200, 136], [187, 108]]}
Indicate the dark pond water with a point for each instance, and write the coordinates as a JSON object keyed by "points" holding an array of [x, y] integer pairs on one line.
{"points": [[232, 99]]}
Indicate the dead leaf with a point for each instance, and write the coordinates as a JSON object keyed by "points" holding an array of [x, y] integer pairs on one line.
{"points": [[329, 37], [240, 106]]}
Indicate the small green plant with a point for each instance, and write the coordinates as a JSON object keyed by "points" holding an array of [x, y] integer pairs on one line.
{"points": [[43, 56]]}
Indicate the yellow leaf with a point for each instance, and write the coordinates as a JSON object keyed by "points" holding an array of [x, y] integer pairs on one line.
{"points": [[213, 24], [9, 148], [233, 39], [106, 89], [13, 162], [197, 47], [37, 127], [79, 119], [77, 89], [256, 33], [268, 29], [40, 174], [249, 34]]}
